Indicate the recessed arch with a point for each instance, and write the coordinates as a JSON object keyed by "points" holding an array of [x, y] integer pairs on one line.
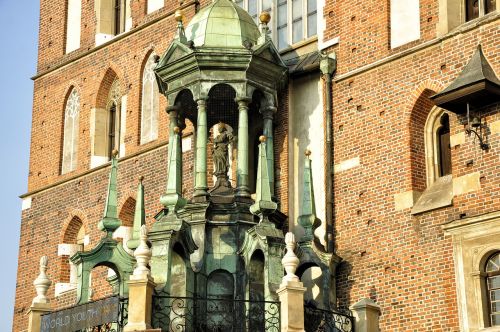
{"points": [[149, 99], [70, 137]]}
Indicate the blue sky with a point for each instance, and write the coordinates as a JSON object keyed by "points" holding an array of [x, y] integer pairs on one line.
{"points": [[18, 52]]}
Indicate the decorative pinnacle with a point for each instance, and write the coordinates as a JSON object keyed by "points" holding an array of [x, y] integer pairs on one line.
{"points": [[114, 153], [290, 261], [143, 254], [262, 138], [42, 282], [177, 129], [307, 152], [141, 178], [265, 17]]}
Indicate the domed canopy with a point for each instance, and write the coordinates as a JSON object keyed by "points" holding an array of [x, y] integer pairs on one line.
{"points": [[222, 24]]}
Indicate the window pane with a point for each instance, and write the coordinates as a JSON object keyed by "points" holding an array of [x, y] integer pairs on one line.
{"points": [[267, 5], [282, 14], [490, 6], [472, 9], [252, 8], [282, 38], [311, 6], [297, 31], [495, 320], [311, 25], [493, 263], [296, 9], [494, 282], [495, 307], [495, 295]]}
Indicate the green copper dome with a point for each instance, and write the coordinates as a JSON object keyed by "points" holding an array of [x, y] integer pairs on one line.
{"points": [[222, 24]]}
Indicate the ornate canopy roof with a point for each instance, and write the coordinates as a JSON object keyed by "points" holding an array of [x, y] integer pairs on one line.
{"points": [[222, 24]]}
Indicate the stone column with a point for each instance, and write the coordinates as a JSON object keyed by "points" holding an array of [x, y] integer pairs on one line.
{"points": [[141, 287], [268, 115], [291, 291], [366, 315], [172, 112], [242, 172], [40, 304], [200, 186]]}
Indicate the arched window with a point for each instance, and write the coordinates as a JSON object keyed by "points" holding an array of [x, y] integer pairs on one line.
{"points": [[437, 145], [492, 270], [114, 118], [70, 141], [150, 102]]}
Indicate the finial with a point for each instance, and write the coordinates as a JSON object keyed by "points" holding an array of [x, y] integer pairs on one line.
{"points": [[139, 216], [290, 261], [177, 129], [179, 16], [143, 254], [42, 282], [307, 152], [265, 17], [141, 178], [262, 138], [110, 222], [307, 217], [114, 153]]}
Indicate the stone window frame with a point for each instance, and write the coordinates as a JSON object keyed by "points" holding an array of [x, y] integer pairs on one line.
{"points": [[487, 298], [452, 15], [71, 120], [114, 99], [105, 17], [73, 29], [305, 17], [432, 149], [153, 98], [475, 240]]}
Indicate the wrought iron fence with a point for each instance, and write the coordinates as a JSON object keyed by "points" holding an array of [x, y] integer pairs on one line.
{"points": [[189, 314], [320, 320], [104, 315]]}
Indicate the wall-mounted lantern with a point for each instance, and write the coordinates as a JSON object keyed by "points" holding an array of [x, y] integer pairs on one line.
{"points": [[475, 87]]}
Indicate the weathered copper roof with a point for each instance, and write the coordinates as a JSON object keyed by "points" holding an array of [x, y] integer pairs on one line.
{"points": [[303, 63], [477, 85], [222, 24]]}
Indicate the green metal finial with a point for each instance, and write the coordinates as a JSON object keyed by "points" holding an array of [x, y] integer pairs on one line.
{"points": [[308, 215], [263, 206], [172, 199], [110, 222], [139, 217]]}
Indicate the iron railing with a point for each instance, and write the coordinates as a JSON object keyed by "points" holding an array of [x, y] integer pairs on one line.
{"points": [[320, 320], [188, 314]]}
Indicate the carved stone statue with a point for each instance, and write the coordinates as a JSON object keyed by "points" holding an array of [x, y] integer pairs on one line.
{"points": [[220, 154]]}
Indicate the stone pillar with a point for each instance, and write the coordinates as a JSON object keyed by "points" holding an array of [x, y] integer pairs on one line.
{"points": [[141, 287], [291, 291], [242, 172], [40, 304], [268, 115], [200, 186], [172, 116], [366, 316]]}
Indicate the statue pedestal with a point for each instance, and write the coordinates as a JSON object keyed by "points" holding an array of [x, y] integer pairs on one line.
{"points": [[291, 294]]}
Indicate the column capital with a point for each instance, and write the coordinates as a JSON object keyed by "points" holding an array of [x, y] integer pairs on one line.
{"points": [[202, 100], [268, 111], [172, 108], [243, 100]]}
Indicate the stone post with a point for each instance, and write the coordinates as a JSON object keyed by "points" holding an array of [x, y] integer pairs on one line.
{"points": [[242, 171], [366, 315], [291, 291], [201, 187], [268, 114], [40, 304], [141, 287]]}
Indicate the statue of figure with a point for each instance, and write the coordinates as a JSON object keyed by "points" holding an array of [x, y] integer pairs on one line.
{"points": [[220, 151]]}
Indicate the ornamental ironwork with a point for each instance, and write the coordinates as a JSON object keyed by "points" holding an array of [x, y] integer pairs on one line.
{"points": [[320, 320], [189, 314], [105, 315]]}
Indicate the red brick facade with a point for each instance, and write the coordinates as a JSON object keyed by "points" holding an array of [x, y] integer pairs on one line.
{"points": [[380, 105]]}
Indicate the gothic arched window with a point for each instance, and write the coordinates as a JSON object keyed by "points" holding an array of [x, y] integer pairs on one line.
{"points": [[492, 270], [150, 102], [70, 141], [114, 117]]}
